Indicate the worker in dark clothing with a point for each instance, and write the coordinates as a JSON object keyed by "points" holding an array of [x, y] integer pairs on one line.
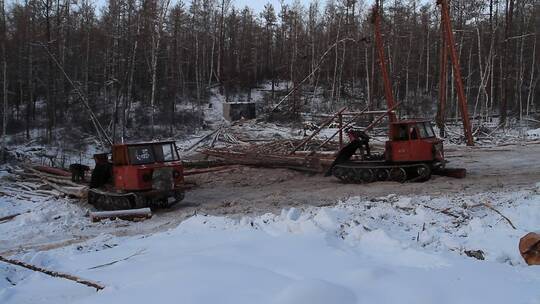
{"points": [[358, 140]]}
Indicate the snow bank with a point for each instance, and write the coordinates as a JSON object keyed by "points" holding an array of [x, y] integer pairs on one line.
{"points": [[533, 134], [387, 250]]}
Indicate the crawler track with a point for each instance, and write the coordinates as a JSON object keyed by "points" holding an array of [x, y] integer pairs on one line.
{"points": [[368, 172], [105, 200]]}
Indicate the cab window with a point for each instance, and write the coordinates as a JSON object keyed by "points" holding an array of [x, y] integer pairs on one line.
{"points": [[169, 152], [429, 129], [426, 130], [401, 132], [423, 131], [413, 130], [140, 155]]}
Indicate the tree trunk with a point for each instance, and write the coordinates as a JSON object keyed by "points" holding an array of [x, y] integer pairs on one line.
{"points": [[4, 83], [156, 40], [507, 64]]}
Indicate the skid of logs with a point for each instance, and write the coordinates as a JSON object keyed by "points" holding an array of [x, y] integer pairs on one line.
{"points": [[314, 164], [308, 154], [29, 182], [277, 154]]}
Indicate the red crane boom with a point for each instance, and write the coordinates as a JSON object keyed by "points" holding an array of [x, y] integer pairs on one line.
{"points": [[376, 20]]}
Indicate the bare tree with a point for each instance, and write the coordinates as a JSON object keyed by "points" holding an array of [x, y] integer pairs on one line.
{"points": [[3, 30], [162, 8]]}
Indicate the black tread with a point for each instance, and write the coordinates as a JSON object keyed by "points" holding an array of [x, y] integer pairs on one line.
{"points": [[104, 200], [371, 171]]}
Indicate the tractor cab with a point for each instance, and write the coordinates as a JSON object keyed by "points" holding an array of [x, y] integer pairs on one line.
{"points": [[146, 166], [413, 141], [143, 175]]}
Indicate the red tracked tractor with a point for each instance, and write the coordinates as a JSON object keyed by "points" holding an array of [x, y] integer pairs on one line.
{"points": [[137, 175], [412, 151]]}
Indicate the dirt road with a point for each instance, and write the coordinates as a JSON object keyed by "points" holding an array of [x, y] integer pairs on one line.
{"points": [[252, 191], [256, 190]]}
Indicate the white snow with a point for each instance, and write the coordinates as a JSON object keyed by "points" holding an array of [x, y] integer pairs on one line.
{"points": [[392, 249], [533, 134]]}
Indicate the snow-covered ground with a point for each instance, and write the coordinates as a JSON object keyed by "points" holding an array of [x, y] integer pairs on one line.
{"points": [[391, 249], [533, 134]]}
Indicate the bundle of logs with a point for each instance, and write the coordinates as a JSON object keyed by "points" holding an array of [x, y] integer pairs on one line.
{"points": [[29, 182], [314, 164], [277, 154], [284, 147], [222, 135], [307, 154]]}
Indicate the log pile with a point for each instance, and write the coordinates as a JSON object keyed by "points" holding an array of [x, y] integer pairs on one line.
{"points": [[237, 150], [314, 164], [28, 182], [222, 135], [310, 153], [283, 147], [277, 154]]}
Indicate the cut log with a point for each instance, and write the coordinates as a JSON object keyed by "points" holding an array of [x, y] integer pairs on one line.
{"points": [[52, 273], [203, 139], [304, 163], [52, 170], [15, 189], [208, 170], [49, 192], [17, 195], [57, 179], [203, 163], [328, 154], [343, 127], [78, 192], [31, 171], [10, 217], [529, 247], [132, 214], [322, 126]]}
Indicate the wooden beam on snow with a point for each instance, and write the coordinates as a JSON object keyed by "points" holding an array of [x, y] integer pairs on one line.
{"points": [[53, 273], [131, 214]]}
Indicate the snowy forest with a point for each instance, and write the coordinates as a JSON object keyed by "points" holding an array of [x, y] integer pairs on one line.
{"points": [[144, 63]]}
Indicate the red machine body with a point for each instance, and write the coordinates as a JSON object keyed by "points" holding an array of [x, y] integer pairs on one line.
{"points": [[138, 175], [134, 164], [413, 141]]}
